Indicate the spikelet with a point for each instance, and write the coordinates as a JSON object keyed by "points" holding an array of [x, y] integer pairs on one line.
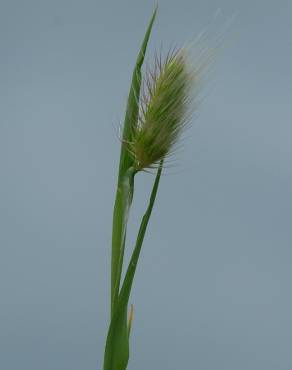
{"points": [[164, 109]]}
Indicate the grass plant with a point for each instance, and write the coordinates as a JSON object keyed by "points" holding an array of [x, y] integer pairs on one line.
{"points": [[158, 110]]}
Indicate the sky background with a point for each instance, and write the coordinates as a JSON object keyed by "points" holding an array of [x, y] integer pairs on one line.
{"points": [[213, 286]]}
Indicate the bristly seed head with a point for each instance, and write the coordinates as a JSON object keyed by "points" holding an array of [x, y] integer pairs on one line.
{"points": [[164, 109]]}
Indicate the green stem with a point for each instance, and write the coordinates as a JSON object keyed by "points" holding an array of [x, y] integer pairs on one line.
{"points": [[122, 206]]}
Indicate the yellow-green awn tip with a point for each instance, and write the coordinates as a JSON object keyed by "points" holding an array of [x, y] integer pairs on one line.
{"points": [[164, 109]]}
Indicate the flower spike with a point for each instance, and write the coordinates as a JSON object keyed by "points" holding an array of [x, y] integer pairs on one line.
{"points": [[164, 109]]}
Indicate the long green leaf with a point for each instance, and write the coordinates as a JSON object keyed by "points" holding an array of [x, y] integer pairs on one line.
{"points": [[128, 281], [132, 111], [125, 179], [117, 344]]}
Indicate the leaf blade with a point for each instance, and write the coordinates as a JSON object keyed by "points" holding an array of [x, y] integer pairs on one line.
{"points": [[120, 216]]}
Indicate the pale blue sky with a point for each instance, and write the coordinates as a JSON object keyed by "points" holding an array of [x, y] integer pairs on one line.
{"points": [[213, 287]]}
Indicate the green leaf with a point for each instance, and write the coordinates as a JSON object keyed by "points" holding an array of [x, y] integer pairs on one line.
{"points": [[126, 179], [129, 277], [132, 111], [117, 344]]}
